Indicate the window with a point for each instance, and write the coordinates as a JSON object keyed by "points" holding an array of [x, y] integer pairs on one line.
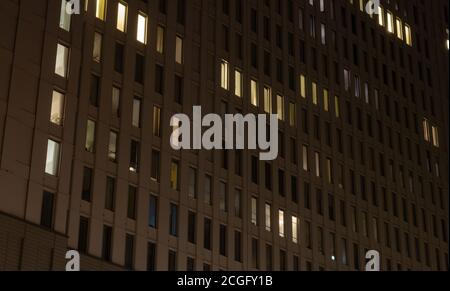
{"points": [[267, 100], [47, 209], [281, 223], [64, 17], [136, 118], [292, 114], [303, 86], [132, 197], [267, 213], [52, 160], [380, 15], [156, 121], [317, 163], [399, 27], [223, 205], [179, 49], [173, 220], [90, 136], [57, 108], [294, 225], [155, 168], [254, 92], [237, 246], [112, 146], [172, 261], [83, 234], [129, 251], [314, 93], [107, 243], [237, 203], [134, 156], [97, 50], [122, 11], [223, 240], [151, 256], [238, 83], [254, 212], [153, 211], [408, 38], [207, 223], [100, 9], [160, 32], [192, 192], [305, 158], [62, 58], [110, 193], [141, 35], [174, 178], [224, 74], [87, 184], [390, 21], [191, 227], [280, 107]]}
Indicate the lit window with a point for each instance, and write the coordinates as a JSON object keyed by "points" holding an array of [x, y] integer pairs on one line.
{"points": [[238, 83], [97, 51], [100, 9], [160, 39], [380, 15], [254, 205], [347, 80], [90, 136], [267, 100], [294, 229], [357, 87], [254, 92], [426, 130], [305, 158], [115, 101], [267, 211], [136, 118], [435, 136], [281, 222], [280, 107], [57, 109], [408, 38], [112, 146], [179, 50], [390, 22], [122, 10], [141, 35], [52, 160], [224, 74], [326, 101], [317, 163], [337, 107], [399, 28], [64, 18], [62, 58], [314, 93], [303, 86]]}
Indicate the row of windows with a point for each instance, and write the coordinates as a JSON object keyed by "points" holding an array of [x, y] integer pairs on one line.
{"points": [[401, 243]]}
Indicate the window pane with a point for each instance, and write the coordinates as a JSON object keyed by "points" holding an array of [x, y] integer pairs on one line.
{"points": [[160, 39], [100, 9], [142, 28], [62, 56], [57, 109], [97, 51], [52, 161], [136, 112], [112, 147], [122, 16], [90, 136], [64, 18], [179, 50], [115, 101]]}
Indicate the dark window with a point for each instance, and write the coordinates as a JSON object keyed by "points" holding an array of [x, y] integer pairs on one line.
{"points": [[192, 227], [87, 184], [129, 251], [47, 209], [153, 211], [172, 261], [118, 58], [181, 11], [159, 79], [107, 243], [151, 256], [132, 195], [139, 69], [173, 220], [95, 90], [237, 246], [110, 193], [207, 233], [83, 233], [223, 240], [178, 94]]}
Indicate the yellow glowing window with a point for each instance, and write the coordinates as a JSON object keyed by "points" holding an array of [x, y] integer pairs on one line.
{"points": [[254, 92], [326, 104], [100, 9], [141, 35], [336, 107], [408, 38], [122, 16], [314, 93], [399, 28], [381, 15], [390, 22], [303, 86]]}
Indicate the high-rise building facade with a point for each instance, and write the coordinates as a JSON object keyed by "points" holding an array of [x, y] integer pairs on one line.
{"points": [[86, 99]]}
